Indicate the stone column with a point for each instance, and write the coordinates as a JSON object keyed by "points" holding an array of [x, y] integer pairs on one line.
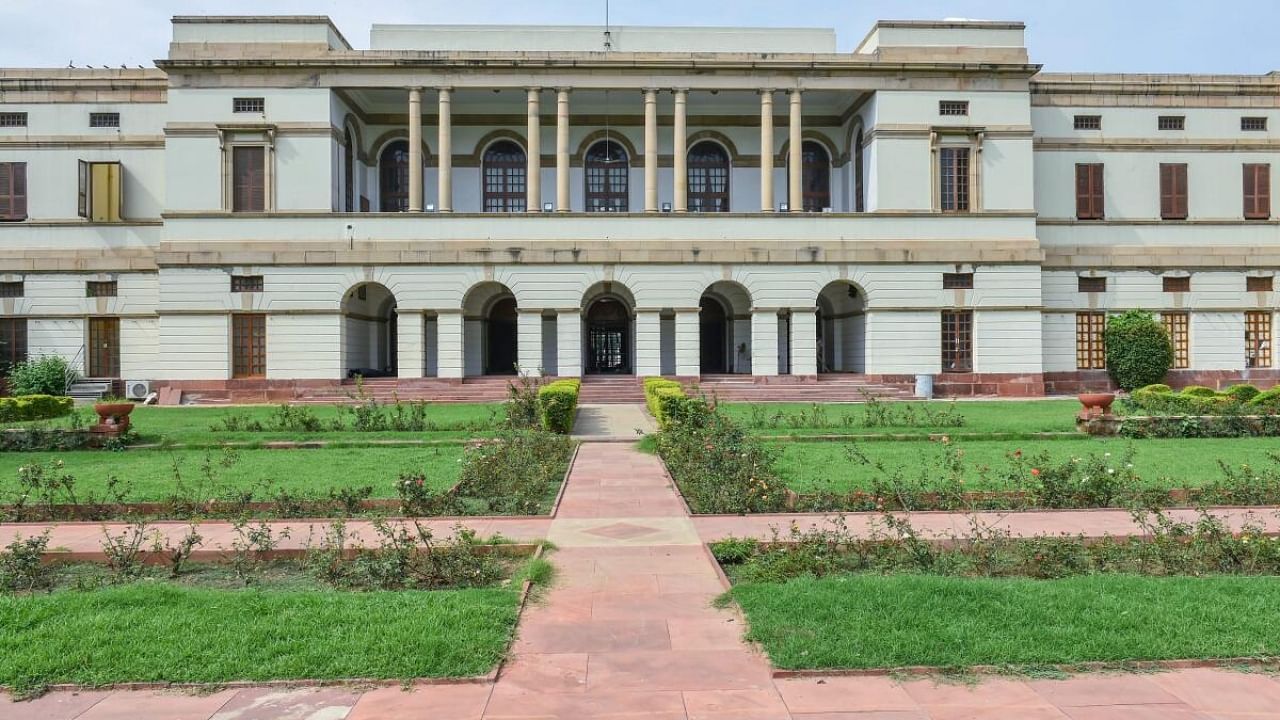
{"points": [[449, 343], [795, 159], [764, 341], [766, 150], [688, 357], [569, 342], [562, 150], [415, 149], [533, 179], [650, 150], [680, 153], [648, 343], [411, 361], [444, 170], [529, 341], [804, 341]]}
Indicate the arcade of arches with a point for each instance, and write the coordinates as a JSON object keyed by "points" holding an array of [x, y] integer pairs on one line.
{"points": [[607, 334]]}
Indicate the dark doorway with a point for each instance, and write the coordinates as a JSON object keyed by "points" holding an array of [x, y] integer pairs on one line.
{"points": [[393, 174], [104, 347], [500, 338], [712, 335], [608, 337]]}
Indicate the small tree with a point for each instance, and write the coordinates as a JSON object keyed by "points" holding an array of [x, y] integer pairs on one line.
{"points": [[1139, 351]]}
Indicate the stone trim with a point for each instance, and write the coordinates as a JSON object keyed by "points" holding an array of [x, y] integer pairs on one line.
{"points": [[69, 142], [1155, 145], [1154, 257]]}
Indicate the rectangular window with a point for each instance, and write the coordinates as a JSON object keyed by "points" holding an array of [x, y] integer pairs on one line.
{"points": [[1088, 122], [13, 191], [957, 281], [13, 343], [1178, 325], [12, 289], [1259, 283], [957, 341], [104, 120], [1089, 195], [248, 346], [1171, 122], [1091, 353], [1091, 284], [1176, 284], [1253, 124], [100, 196], [953, 174], [1173, 191], [953, 107], [1257, 191], [100, 288], [13, 119], [248, 178], [1257, 339], [248, 105], [248, 283]]}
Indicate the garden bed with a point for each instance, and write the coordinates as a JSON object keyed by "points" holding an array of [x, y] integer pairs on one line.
{"points": [[825, 600], [395, 612]]}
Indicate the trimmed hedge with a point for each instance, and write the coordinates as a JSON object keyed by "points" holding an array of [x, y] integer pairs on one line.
{"points": [[1242, 393], [1268, 400], [1200, 401], [34, 407], [659, 395], [558, 404]]}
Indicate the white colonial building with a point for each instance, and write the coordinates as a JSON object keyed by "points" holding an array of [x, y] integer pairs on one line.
{"points": [[271, 211]]}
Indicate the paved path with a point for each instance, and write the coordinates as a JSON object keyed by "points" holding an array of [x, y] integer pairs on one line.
{"points": [[629, 632], [617, 421]]}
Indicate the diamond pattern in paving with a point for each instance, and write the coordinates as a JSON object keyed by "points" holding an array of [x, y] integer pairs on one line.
{"points": [[630, 631]]}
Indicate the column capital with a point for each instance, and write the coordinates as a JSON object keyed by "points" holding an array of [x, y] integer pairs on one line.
{"points": [[444, 89], [563, 90], [795, 92], [766, 92], [531, 89], [414, 88], [680, 91], [650, 93]]}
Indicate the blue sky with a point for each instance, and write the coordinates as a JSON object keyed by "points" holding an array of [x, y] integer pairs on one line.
{"points": [[1063, 35]]}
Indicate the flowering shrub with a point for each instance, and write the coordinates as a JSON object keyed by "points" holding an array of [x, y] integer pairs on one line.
{"points": [[718, 467]]}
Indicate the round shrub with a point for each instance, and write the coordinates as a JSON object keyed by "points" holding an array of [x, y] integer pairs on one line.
{"points": [[1267, 400], [1199, 391], [1139, 352], [47, 375], [1154, 388], [1242, 393]]}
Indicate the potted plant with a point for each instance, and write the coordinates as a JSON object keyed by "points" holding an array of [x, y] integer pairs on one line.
{"points": [[113, 412]]}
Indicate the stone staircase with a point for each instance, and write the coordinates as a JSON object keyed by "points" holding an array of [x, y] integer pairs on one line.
{"points": [[611, 389], [386, 390], [842, 387]]}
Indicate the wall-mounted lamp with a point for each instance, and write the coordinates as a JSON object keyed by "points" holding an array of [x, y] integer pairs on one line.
{"points": [[827, 209], [431, 207], [666, 207], [548, 207], [784, 207]]}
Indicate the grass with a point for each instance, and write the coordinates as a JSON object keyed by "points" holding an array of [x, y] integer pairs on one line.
{"points": [[864, 621], [163, 631], [193, 425], [151, 472], [825, 466], [1024, 417]]}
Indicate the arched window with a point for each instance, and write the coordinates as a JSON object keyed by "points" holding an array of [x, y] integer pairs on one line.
{"points": [[504, 177], [393, 173], [859, 187], [816, 177], [607, 172], [708, 178], [348, 173]]}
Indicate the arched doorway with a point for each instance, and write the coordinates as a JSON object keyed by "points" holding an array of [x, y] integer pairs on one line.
{"points": [[724, 329], [841, 328], [606, 169], [393, 177], [608, 334], [490, 333], [505, 177], [815, 176], [708, 173], [369, 337]]}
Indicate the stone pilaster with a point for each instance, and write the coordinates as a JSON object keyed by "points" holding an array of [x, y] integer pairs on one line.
{"points": [[648, 343], [569, 343], [411, 359], [764, 341], [449, 343], [688, 354], [529, 342], [804, 341]]}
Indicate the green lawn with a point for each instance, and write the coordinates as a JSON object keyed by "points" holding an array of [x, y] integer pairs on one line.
{"points": [[825, 466], [195, 425], [151, 472], [864, 621], [159, 631], [996, 416]]}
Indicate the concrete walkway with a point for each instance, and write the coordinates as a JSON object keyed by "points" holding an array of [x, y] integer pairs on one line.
{"points": [[620, 421], [629, 631]]}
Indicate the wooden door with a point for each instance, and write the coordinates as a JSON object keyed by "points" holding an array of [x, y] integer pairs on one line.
{"points": [[104, 347]]}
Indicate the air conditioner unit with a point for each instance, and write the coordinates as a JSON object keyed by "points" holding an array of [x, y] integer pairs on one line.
{"points": [[137, 389]]}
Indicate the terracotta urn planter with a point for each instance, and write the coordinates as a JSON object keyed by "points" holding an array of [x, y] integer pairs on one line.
{"points": [[1096, 404], [114, 415]]}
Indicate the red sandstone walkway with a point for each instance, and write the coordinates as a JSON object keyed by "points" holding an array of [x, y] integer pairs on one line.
{"points": [[629, 632]]}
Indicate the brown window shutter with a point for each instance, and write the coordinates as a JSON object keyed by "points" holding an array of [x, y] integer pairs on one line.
{"points": [[248, 180], [6, 190], [13, 191], [1173, 191], [1257, 191], [1089, 191]]}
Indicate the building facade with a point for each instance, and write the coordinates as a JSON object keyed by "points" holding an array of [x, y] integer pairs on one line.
{"points": [[271, 209]]}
